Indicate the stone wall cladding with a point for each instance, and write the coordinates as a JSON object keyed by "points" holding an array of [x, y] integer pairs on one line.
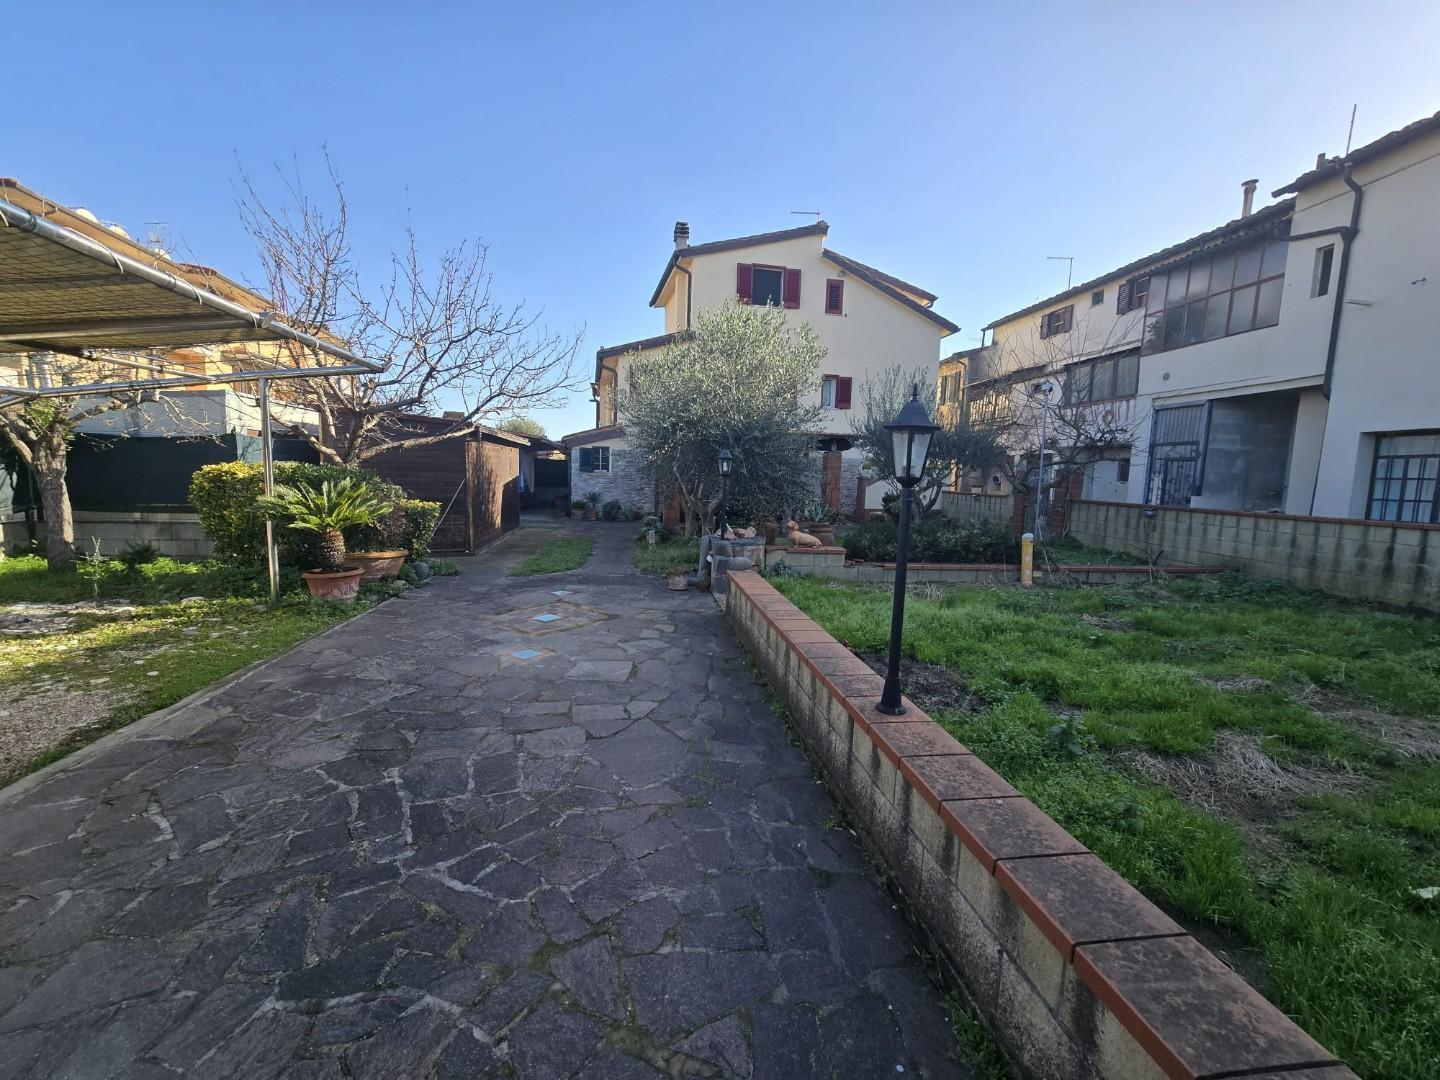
{"points": [[630, 481], [1386, 562], [1076, 973]]}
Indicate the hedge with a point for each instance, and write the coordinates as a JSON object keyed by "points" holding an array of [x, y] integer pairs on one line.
{"points": [[935, 539], [224, 499]]}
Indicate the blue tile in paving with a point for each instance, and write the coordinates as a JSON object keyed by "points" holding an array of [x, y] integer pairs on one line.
{"points": [[525, 654], [560, 592], [547, 617]]}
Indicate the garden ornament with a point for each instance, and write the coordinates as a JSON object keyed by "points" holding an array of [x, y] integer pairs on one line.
{"points": [[798, 538]]}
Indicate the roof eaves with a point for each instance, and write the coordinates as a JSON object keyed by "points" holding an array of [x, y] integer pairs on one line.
{"points": [[604, 353], [590, 435], [819, 228], [1256, 222], [1383, 145], [877, 281]]}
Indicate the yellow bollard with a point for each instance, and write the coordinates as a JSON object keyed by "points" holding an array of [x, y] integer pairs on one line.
{"points": [[1027, 560]]}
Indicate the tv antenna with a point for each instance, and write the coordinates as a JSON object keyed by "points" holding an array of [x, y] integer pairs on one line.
{"points": [[1069, 260], [1351, 133], [807, 213]]}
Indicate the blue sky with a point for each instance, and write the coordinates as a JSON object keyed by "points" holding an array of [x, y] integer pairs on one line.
{"points": [[955, 145]]}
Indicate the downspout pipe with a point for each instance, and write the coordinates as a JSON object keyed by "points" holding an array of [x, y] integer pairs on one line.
{"points": [[1341, 277], [689, 282]]}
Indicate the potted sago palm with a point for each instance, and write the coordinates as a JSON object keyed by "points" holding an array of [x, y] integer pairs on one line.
{"points": [[327, 512]]}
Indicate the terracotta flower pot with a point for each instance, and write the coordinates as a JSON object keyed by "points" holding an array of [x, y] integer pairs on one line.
{"points": [[341, 586], [375, 565], [678, 582], [822, 531]]}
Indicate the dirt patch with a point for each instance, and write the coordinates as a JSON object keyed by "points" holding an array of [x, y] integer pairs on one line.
{"points": [[1236, 779], [39, 716], [933, 687], [1238, 684], [1408, 736], [37, 619]]}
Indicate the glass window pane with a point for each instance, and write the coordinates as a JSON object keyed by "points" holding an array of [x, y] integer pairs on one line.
{"points": [[1247, 265], [1194, 322], [1199, 278], [1176, 291], [1103, 386], [1156, 298], [1079, 383], [1153, 341], [1127, 378], [1268, 312], [1424, 442], [1242, 310], [1275, 252], [1174, 327], [1222, 272], [1215, 315]]}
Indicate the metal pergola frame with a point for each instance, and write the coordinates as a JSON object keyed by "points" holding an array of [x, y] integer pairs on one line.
{"points": [[177, 313]]}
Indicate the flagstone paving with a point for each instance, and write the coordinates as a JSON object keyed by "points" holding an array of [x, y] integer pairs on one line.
{"points": [[448, 839]]}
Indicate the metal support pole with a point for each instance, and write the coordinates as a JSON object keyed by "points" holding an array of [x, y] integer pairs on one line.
{"points": [[272, 553], [890, 703], [724, 505]]}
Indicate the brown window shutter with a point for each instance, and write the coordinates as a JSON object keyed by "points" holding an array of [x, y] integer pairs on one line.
{"points": [[1044, 326], [744, 276], [790, 289], [842, 392], [835, 296], [1122, 297]]}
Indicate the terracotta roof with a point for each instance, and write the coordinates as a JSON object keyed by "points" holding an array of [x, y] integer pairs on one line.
{"points": [[820, 228], [590, 435], [880, 281], [604, 353], [1260, 221], [1383, 145], [890, 279]]}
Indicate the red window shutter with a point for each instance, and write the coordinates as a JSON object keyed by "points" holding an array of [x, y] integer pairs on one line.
{"points": [[842, 392], [790, 290], [1122, 298], [835, 296], [744, 276]]}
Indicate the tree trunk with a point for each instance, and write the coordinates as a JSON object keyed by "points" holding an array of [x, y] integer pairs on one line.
{"points": [[48, 462]]}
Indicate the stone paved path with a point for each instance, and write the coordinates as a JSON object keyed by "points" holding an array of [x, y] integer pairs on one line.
{"points": [[460, 838]]}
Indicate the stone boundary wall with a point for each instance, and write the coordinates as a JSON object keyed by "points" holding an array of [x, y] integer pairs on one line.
{"points": [[962, 506], [1383, 561], [175, 534], [830, 562], [1076, 973]]}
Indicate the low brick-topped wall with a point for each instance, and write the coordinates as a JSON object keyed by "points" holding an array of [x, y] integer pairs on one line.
{"points": [[831, 562], [1076, 973]]}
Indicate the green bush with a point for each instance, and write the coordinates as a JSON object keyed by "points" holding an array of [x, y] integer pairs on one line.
{"points": [[611, 510], [934, 540], [225, 497]]}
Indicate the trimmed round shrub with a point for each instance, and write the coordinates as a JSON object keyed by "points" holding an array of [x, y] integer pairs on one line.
{"points": [[224, 497]]}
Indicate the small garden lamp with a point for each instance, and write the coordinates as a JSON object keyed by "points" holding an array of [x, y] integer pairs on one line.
{"points": [[910, 433], [726, 462]]}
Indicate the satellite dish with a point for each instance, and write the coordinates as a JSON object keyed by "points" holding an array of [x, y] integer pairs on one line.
{"points": [[80, 211]]}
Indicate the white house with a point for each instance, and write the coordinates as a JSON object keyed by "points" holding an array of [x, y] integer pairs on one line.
{"points": [[866, 319], [1281, 362]]}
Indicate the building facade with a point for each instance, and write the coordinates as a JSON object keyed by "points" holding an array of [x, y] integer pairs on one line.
{"points": [[867, 320], [1282, 362]]}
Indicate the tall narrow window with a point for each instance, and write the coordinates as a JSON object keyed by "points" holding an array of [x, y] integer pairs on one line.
{"points": [[767, 285], [1324, 259], [835, 391], [835, 296]]}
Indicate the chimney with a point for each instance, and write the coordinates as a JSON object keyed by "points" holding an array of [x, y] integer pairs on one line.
{"points": [[1320, 160], [1247, 203], [682, 234]]}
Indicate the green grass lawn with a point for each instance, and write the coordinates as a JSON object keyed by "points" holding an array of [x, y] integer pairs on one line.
{"points": [[660, 558], [1261, 762], [135, 640], [558, 555]]}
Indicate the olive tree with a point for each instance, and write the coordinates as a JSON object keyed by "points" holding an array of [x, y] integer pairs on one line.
{"points": [[744, 380]]}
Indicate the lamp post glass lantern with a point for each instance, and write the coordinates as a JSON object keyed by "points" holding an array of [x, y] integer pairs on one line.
{"points": [[910, 435], [726, 462]]}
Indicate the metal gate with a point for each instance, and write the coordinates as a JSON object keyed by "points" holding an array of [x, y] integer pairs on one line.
{"points": [[1178, 436]]}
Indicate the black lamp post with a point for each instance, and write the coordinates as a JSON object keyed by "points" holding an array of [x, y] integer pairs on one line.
{"points": [[727, 462], [910, 433]]}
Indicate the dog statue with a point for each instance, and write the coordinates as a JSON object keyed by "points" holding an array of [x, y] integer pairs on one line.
{"points": [[800, 539]]}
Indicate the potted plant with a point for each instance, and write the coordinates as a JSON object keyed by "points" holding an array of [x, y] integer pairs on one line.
{"points": [[328, 511], [381, 550], [592, 502], [819, 522], [577, 508], [677, 577]]}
